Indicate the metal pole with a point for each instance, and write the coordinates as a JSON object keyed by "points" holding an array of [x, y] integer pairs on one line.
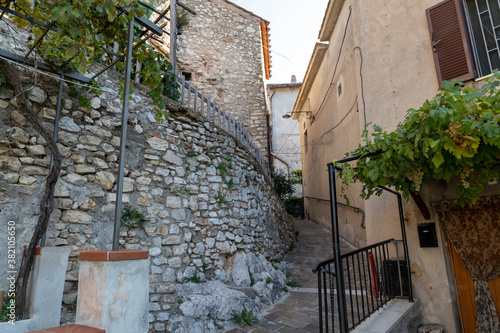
{"points": [[123, 138], [405, 246], [336, 251], [173, 33]]}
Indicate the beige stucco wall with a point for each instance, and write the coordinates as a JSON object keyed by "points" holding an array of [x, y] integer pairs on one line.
{"points": [[389, 41], [326, 134], [399, 74]]}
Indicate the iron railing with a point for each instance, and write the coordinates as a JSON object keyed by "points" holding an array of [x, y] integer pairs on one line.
{"points": [[370, 277], [196, 100]]}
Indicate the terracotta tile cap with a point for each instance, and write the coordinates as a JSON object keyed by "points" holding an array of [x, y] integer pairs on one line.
{"points": [[113, 255], [37, 251], [73, 328]]}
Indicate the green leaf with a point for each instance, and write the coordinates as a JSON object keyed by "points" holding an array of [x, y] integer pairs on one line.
{"points": [[438, 159]]}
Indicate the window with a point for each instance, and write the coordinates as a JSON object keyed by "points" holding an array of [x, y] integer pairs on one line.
{"points": [[465, 37], [306, 144], [483, 21], [187, 76]]}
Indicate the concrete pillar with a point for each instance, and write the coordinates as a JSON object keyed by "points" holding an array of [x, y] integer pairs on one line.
{"points": [[45, 299], [49, 274], [113, 291]]}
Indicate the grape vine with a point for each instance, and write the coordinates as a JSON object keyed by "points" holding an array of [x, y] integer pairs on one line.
{"points": [[456, 134]]}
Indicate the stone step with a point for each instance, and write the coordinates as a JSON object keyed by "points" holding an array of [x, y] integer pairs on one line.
{"points": [[73, 328]]}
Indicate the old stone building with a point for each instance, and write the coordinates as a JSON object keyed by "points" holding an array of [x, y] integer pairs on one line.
{"points": [[224, 50]]}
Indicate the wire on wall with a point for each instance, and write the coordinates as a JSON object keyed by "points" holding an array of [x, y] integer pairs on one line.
{"points": [[362, 87], [336, 65]]}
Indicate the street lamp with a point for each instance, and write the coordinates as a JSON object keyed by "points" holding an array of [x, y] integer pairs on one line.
{"points": [[308, 114]]}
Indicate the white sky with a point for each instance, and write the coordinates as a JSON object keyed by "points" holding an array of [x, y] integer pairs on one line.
{"points": [[294, 27]]}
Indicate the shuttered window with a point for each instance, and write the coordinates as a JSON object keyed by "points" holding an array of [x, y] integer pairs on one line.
{"points": [[452, 55]]}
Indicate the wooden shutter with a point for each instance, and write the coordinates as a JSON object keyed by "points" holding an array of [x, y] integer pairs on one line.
{"points": [[448, 34]]}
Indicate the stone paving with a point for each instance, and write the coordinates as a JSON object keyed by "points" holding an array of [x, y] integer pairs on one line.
{"points": [[298, 312]]}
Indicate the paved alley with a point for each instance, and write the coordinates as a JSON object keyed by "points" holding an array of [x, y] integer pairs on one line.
{"points": [[298, 312]]}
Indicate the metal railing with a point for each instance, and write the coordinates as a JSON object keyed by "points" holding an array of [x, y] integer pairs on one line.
{"points": [[370, 278], [194, 99]]}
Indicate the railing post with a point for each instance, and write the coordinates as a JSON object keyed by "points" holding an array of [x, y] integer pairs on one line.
{"points": [[202, 102], [189, 95], [208, 108], [405, 246], [339, 281], [183, 82], [195, 103]]}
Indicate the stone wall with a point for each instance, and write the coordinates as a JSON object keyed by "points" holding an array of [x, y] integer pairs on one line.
{"points": [[221, 48], [205, 197]]}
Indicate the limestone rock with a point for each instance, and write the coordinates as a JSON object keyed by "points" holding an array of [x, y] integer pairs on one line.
{"points": [[37, 95], [239, 273], [37, 150], [158, 144], [20, 135], [105, 179], [68, 124], [75, 216], [95, 103]]}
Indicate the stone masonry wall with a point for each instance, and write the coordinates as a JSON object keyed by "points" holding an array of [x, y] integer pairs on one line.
{"points": [[206, 199], [222, 49]]}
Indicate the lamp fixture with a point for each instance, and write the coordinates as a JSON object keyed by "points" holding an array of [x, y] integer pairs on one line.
{"points": [[308, 114]]}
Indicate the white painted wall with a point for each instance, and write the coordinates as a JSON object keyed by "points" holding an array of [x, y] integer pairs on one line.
{"points": [[286, 134]]}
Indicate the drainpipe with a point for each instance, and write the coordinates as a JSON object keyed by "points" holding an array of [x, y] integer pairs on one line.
{"points": [[285, 163]]}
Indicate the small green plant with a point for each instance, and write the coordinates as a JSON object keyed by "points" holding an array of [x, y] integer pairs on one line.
{"points": [[229, 162], [180, 301], [204, 266], [75, 303], [252, 280], [269, 280], [195, 278], [275, 267], [197, 168], [210, 152], [220, 199], [245, 317], [133, 217], [222, 169], [191, 153], [5, 310], [249, 160], [292, 246], [278, 261], [292, 283], [285, 289], [187, 168], [288, 273], [229, 183]]}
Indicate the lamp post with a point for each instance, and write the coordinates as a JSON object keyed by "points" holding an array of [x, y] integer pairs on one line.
{"points": [[308, 114]]}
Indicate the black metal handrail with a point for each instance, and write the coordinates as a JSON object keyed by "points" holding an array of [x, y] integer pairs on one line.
{"points": [[371, 277]]}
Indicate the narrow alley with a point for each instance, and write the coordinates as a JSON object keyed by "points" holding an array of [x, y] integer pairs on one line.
{"points": [[298, 312]]}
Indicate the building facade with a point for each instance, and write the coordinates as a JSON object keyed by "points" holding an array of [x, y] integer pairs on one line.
{"points": [[285, 145], [224, 50], [374, 61]]}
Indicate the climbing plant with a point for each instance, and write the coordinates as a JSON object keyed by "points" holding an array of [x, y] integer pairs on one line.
{"points": [[456, 134], [86, 28]]}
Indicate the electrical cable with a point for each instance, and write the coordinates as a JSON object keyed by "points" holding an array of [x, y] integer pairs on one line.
{"points": [[287, 137], [331, 129], [361, 77], [336, 65]]}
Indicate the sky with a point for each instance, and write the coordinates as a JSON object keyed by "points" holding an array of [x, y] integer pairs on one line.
{"points": [[294, 28]]}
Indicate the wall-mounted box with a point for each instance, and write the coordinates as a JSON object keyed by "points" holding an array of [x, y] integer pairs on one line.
{"points": [[427, 235]]}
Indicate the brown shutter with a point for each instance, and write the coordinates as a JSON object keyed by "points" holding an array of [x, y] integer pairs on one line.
{"points": [[450, 42]]}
